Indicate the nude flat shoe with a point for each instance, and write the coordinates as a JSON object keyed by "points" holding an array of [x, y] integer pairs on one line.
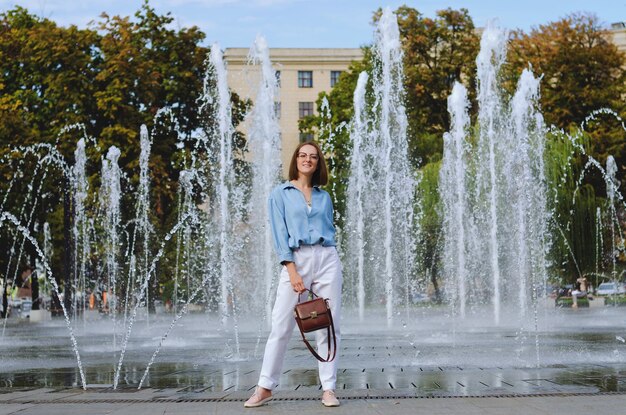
{"points": [[255, 400], [329, 399]]}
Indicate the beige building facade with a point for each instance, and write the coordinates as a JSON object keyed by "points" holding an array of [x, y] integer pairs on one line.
{"points": [[618, 33], [302, 74]]}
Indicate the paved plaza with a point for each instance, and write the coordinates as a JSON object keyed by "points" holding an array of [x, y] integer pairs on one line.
{"points": [[411, 369], [97, 401], [222, 387]]}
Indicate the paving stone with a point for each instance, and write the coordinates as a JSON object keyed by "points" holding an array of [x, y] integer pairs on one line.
{"points": [[12, 408], [70, 409]]}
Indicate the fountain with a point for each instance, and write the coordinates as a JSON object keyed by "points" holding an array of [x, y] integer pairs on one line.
{"points": [[110, 198], [453, 188], [494, 193], [381, 187], [264, 145], [495, 238]]}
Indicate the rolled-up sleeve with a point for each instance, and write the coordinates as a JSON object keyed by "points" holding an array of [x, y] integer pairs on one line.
{"points": [[279, 228], [330, 211]]}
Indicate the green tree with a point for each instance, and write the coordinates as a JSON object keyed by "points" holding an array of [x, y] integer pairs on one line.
{"points": [[112, 78], [429, 243], [46, 84], [576, 247], [46, 78], [437, 52], [148, 67], [582, 71]]}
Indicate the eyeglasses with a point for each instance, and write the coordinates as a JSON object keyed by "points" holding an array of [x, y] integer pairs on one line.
{"points": [[312, 157]]}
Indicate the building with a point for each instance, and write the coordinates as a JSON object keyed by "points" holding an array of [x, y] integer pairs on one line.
{"points": [[618, 33], [302, 75]]}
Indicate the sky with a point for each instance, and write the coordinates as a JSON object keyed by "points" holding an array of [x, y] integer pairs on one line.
{"points": [[312, 23]]}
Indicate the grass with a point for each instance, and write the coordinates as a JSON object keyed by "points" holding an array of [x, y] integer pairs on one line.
{"points": [[616, 301], [567, 302]]}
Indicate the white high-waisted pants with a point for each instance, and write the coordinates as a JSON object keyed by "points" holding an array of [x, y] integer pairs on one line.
{"points": [[320, 269]]}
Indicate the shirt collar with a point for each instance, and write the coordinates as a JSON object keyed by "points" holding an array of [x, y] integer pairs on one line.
{"points": [[288, 184]]}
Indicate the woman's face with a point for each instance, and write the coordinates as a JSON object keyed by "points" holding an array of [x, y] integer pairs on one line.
{"points": [[307, 160]]}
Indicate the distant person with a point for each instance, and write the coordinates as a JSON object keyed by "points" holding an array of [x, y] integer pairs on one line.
{"points": [[92, 300], [4, 302], [301, 218], [104, 305], [24, 283], [581, 288]]}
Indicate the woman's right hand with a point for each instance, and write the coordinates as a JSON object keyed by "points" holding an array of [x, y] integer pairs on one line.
{"points": [[296, 280], [297, 283]]}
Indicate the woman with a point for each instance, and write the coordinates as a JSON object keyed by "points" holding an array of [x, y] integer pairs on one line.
{"points": [[301, 218]]}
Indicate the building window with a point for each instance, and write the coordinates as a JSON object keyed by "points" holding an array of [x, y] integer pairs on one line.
{"points": [[277, 109], [305, 79], [334, 77], [305, 109], [306, 137], [277, 74]]}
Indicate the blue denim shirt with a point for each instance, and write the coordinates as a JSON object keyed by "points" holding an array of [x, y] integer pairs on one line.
{"points": [[293, 225]]}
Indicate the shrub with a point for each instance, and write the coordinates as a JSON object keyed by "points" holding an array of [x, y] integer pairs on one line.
{"points": [[567, 302], [616, 301]]}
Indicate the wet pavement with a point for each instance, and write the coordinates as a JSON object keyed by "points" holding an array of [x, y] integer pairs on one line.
{"points": [[469, 369], [425, 381]]}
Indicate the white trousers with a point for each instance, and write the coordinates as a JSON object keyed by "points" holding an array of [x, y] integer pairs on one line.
{"points": [[321, 272]]}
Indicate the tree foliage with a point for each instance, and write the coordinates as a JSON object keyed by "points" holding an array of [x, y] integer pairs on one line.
{"points": [[46, 84], [437, 52], [582, 71], [46, 78], [112, 77], [581, 68], [147, 67]]}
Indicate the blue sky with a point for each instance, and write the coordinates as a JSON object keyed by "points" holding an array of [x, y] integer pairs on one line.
{"points": [[312, 23]]}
